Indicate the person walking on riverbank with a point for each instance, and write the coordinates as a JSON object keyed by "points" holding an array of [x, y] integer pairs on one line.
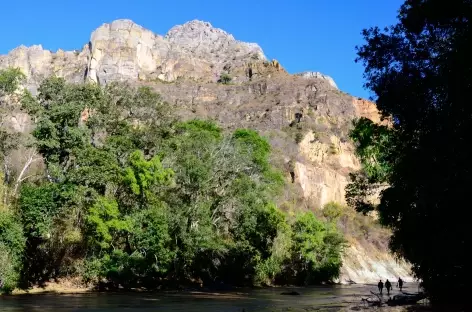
{"points": [[400, 283], [381, 286], [388, 285]]}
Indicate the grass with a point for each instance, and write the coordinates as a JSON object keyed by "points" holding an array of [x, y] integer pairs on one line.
{"points": [[62, 286], [158, 80]]}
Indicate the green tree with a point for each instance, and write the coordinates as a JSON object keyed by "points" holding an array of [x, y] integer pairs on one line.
{"points": [[38, 207], [377, 147], [419, 70], [10, 80], [131, 197], [224, 184], [316, 250], [12, 245], [130, 229], [104, 221], [142, 175], [94, 142]]}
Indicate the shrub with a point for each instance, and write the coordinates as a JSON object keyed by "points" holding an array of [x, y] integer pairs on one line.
{"points": [[316, 251], [225, 78], [10, 79], [332, 211], [12, 245]]}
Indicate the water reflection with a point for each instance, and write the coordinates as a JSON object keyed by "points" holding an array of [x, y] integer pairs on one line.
{"points": [[249, 300]]}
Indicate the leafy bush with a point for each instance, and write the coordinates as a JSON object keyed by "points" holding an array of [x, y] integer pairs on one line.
{"points": [[12, 245], [225, 78], [38, 206], [298, 137], [316, 250], [10, 79], [332, 211]]}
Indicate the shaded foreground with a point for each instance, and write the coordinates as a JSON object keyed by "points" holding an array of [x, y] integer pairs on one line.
{"points": [[329, 298]]}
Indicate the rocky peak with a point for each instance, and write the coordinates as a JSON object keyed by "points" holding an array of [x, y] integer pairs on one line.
{"points": [[120, 31], [124, 50], [203, 39], [318, 75], [196, 27]]}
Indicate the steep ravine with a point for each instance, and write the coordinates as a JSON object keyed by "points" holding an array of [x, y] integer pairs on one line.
{"points": [[305, 116]]}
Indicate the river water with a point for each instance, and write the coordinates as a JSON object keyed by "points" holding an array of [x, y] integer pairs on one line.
{"points": [[325, 298]]}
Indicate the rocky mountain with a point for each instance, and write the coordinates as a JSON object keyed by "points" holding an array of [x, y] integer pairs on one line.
{"points": [[305, 116]]}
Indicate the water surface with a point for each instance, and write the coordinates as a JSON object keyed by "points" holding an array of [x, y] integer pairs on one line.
{"points": [[327, 298]]}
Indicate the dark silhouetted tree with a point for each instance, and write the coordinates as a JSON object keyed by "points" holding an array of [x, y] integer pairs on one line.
{"points": [[420, 71]]}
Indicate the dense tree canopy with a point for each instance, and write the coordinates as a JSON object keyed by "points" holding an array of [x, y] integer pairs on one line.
{"points": [[420, 71], [129, 196]]}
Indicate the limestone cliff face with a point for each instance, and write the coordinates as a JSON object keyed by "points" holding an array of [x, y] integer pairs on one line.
{"points": [[37, 64], [123, 50], [306, 118]]}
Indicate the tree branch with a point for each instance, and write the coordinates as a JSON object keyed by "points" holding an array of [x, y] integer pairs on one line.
{"points": [[31, 159]]}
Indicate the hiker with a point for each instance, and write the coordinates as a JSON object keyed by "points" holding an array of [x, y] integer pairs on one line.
{"points": [[381, 286], [400, 283], [388, 285]]}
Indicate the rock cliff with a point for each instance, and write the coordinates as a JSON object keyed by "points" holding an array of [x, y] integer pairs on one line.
{"points": [[305, 116]]}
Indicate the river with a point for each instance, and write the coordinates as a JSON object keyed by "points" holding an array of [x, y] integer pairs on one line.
{"points": [[324, 298]]}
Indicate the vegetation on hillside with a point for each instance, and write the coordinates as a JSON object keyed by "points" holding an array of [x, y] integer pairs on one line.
{"points": [[225, 78], [129, 196], [419, 70]]}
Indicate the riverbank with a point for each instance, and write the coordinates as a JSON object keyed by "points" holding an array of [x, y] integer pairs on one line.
{"points": [[59, 287], [76, 286]]}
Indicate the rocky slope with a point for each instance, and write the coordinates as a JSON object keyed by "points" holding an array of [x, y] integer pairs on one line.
{"points": [[305, 116]]}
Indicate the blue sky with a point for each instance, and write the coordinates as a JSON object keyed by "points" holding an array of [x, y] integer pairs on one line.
{"points": [[315, 35]]}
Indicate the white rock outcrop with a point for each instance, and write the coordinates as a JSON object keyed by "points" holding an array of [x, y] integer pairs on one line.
{"points": [[318, 75], [123, 50]]}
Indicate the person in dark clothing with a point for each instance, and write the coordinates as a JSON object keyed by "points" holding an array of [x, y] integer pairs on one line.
{"points": [[388, 285], [400, 283], [381, 286]]}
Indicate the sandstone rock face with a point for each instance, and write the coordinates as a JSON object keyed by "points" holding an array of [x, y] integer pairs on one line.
{"points": [[305, 117], [369, 110], [323, 174]]}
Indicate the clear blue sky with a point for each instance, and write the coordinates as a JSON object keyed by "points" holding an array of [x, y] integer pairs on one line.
{"points": [[315, 35]]}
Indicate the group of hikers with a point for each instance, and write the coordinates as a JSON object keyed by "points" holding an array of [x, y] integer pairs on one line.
{"points": [[388, 285]]}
